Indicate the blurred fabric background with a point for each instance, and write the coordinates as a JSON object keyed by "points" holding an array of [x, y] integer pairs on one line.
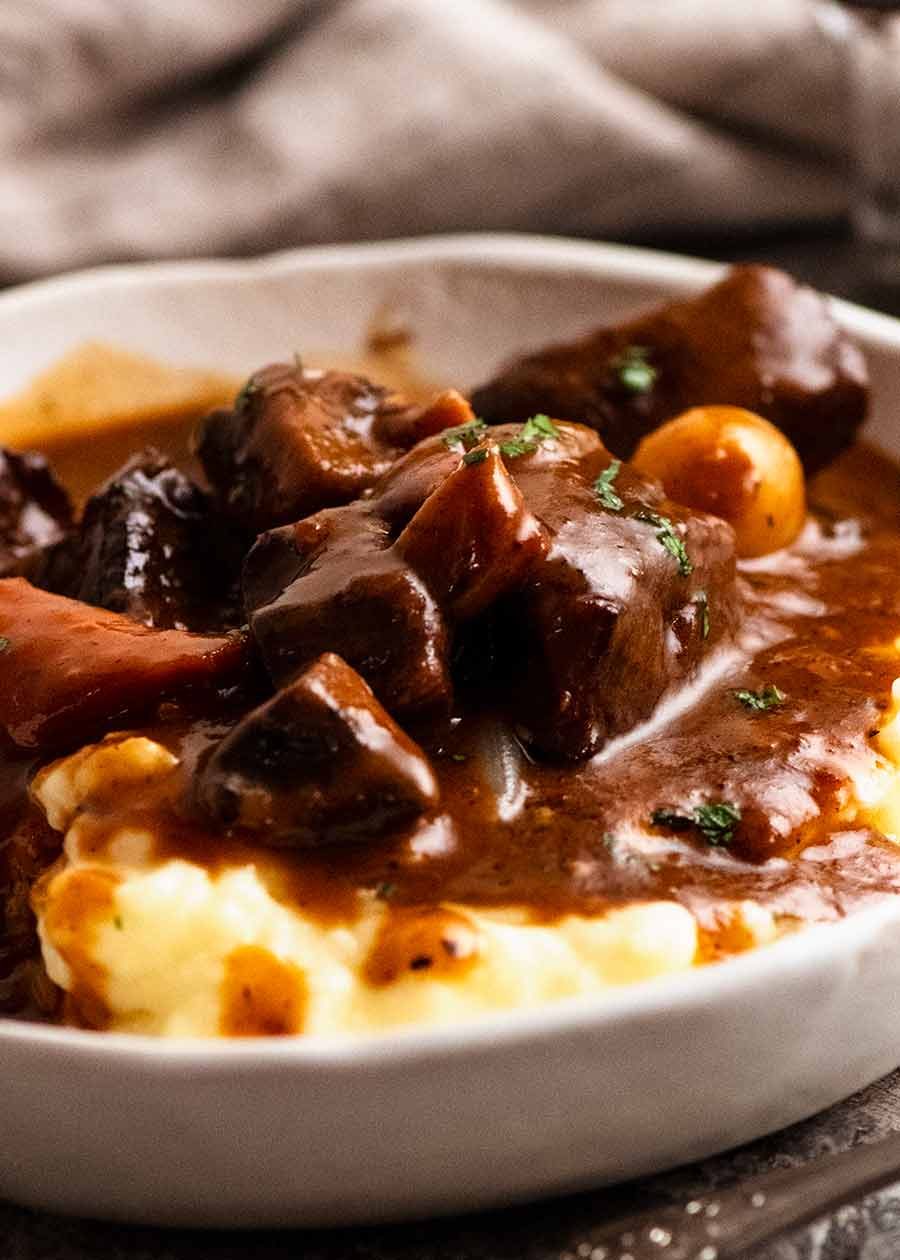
{"points": [[150, 128]]}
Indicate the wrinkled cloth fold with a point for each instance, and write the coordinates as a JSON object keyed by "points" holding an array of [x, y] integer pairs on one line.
{"points": [[145, 128]]}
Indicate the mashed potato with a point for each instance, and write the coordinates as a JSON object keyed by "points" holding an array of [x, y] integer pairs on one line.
{"points": [[149, 941], [173, 947], [170, 947]]}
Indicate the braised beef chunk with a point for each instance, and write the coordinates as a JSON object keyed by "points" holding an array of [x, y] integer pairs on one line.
{"points": [[322, 763], [150, 545], [412, 478], [70, 672], [339, 586], [620, 604], [632, 595], [402, 425], [35, 511], [525, 544], [473, 540], [297, 441], [758, 339]]}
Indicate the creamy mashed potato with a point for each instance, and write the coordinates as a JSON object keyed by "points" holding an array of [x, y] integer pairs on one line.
{"points": [[173, 947], [169, 947]]}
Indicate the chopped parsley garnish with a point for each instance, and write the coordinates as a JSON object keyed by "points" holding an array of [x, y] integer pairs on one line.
{"points": [[385, 891], [610, 841], [635, 373], [5, 644], [701, 600], [716, 822], [534, 431], [603, 486], [669, 538], [463, 436], [119, 925], [768, 697], [478, 456], [460, 757]]}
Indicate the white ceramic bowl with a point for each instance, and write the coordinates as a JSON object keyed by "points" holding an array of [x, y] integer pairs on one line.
{"points": [[306, 1132]]}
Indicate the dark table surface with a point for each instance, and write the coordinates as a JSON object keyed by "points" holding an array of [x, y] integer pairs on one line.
{"points": [[562, 1229]]}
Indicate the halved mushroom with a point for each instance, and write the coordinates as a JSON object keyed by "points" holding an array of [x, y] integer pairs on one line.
{"points": [[150, 544], [320, 764]]}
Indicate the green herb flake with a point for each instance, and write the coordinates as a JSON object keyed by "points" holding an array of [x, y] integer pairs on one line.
{"points": [[515, 447], [701, 601], [385, 891], [478, 456], [534, 431], [538, 428], [669, 538], [460, 757], [5, 643], [634, 371], [463, 436], [119, 925], [610, 841], [716, 821], [768, 697], [603, 486]]}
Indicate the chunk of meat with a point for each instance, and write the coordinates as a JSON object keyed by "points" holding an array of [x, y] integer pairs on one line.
{"points": [[297, 441], [559, 566], [332, 582], [411, 479], [626, 605], [322, 763], [473, 540], [401, 426], [757, 339], [151, 545], [70, 672], [35, 511], [338, 581]]}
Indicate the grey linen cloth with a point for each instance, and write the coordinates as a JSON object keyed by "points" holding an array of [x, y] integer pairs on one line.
{"points": [[150, 128]]}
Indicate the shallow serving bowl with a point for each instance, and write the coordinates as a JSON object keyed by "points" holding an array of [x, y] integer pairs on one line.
{"points": [[303, 1132]]}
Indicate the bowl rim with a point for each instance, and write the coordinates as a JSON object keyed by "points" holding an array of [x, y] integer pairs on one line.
{"points": [[814, 947]]}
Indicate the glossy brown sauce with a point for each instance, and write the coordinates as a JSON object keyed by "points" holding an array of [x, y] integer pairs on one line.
{"points": [[73, 917], [440, 943], [820, 623], [262, 996]]}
